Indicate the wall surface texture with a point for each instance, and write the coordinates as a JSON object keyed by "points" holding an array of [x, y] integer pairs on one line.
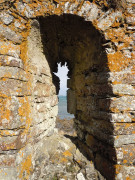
{"points": [[96, 39]]}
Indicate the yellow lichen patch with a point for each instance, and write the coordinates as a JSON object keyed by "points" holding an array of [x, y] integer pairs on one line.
{"points": [[116, 137], [23, 47], [80, 5], [23, 54], [67, 153], [22, 109], [21, 154], [6, 47], [116, 82], [117, 61], [7, 75], [117, 167], [125, 152], [4, 79], [117, 128], [116, 34], [63, 160], [116, 110], [133, 119], [125, 161], [58, 11], [24, 112], [127, 125], [5, 111], [7, 133], [128, 178], [26, 168], [116, 23]]}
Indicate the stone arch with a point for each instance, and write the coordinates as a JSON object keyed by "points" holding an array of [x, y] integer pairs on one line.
{"points": [[19, 77], [68, 38]]}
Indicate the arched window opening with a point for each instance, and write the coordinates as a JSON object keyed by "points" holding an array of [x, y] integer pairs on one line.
{"points": [[64, 119]]}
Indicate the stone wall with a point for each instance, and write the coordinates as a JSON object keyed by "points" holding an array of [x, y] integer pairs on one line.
{"points": [[96, 39]]}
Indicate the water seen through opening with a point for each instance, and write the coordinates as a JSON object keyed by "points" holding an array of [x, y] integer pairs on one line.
{"points": [[62, 74]]}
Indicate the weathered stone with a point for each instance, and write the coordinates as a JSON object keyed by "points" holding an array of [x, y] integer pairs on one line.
{"points": [[6, 18], [8, 48], [15, 114], [19, 25], [8, 173], [50, 102], [110, 117], [122, 117], [80, 176], [130, 20], [11, 61], [122, 77], [124, 103], [125, 154], [116, 128], [123, 140], [92, 15], [42, 127], [131, 10], [13, 73], [4, 146], [13, 87], [24, 8], [96, 40], [9, 34], [125, 172], [43, 90], [71, 102], [7, 160], [42, 112], [131, 1], [105, 22]]}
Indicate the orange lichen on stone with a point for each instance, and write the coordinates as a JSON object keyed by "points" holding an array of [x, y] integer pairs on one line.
{"points": [[116, 82], [24, 112], [63, 160], [26, 168], [6, 147], [122, 44], [67, 153], [128, 178], [23, 54], [125, 161], [117, 61], [128, 125], [21, 153], [5, 111], [58, 11], [7, 133], [125, 152], [116, 110], [116, 36], [101, 2], [6, 47]]}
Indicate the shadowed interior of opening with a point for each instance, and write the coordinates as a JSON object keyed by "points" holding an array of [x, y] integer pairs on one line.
{"points": [[69, 39]]}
